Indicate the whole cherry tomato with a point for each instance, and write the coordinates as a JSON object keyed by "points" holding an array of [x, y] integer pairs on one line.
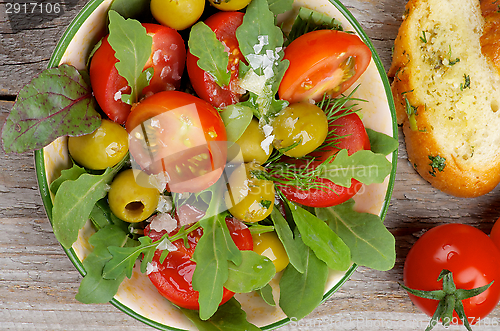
{"points": [[229, 5], [316, 69], [180, 136], [167, 58], [224, 24], [495, 233], [471, 257], [177, 14], [173, 277], [349, 133]]}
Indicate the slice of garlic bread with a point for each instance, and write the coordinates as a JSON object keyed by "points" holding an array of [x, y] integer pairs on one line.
{"points": [[447, 96]]}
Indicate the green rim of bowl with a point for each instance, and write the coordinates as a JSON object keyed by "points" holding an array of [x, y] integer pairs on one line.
{"points": [[44, 185]]}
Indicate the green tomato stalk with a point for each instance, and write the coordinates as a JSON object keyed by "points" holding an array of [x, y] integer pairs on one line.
{"points": [[450, 299]]}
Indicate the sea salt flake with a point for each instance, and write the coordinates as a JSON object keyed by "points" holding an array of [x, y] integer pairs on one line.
{"points": [[267, 129], [151, 267], [165, 244], [266, 144], [165, 204], [263, 41], [163, 222]]}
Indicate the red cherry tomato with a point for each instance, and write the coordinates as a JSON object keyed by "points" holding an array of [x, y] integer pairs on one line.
{"points": [[167, 59], [469, 254], [173, 277], [316, 69], [495, 233], [354, 138], [181, 136], [224, 24]]}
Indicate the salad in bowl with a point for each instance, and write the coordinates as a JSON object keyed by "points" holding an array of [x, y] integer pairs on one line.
{"points": [[228, 167]]}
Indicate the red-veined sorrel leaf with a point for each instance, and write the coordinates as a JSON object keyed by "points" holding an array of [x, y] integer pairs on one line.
{"points": [[57, 103]]}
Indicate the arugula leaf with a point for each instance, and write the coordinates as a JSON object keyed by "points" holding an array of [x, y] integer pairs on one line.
{"points": [[259, 228], [301, 293], [98, 216], [75, 200], [57, 103], [371, 244], [364, 165], [93, 287], [236, 119], [280, 6], [101, 216], [325, 243], [258, 34], [229, 316], [67, 174], [132, 46], [211, 53], [254, 272], [285, 235], [381, 143], [124, 258], [211, 255], [261, 43], [266, 293]]}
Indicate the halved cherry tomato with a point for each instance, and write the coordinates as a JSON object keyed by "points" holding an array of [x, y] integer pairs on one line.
{"points": [[322, 61], [173, 277], [469, 254], [180, 136], [353, 137], [167, 58], [224, 24]]}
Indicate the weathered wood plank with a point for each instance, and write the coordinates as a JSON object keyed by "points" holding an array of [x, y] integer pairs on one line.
{"points": [[25, 53]]}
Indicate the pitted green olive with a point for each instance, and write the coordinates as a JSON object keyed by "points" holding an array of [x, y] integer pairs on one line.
{"points": [[250, 197], [304, 124], [100, 149], [130, 201], [251, 142]]}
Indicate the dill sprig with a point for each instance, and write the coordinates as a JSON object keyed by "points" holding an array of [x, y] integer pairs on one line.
{"points": [[303, 176], [304, 173], [334, 109]]}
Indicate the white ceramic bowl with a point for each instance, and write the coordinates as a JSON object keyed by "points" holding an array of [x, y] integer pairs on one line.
{"points": [[146, 304]]}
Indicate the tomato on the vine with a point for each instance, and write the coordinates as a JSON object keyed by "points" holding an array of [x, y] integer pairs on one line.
{"points": [[471, 257], [180, 136], [495, 233], [349, 133], [224, 24], [173, 277], [167, 58], [315, 69]]}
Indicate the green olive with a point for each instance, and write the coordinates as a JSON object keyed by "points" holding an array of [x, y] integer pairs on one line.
{"points": [[100, 149], [250, 144], [269, 245], [250, 198], [130, 201], [303, 124]]}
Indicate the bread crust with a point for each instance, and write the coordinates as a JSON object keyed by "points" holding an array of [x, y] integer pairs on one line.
{"points": [[423, 146], [490, 40]]}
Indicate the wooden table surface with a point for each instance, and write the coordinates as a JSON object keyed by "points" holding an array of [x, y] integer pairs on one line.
{"points": [[38, 282]]}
